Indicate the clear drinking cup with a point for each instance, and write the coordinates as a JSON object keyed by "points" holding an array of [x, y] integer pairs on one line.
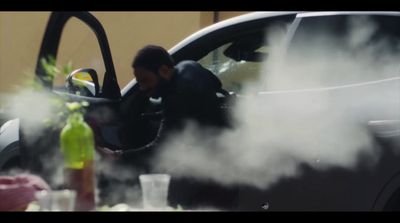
{"points": [[155, 191], [56, 200]]}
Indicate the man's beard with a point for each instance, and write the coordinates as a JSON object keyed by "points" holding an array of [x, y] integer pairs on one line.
{"points": [[161, 87]]}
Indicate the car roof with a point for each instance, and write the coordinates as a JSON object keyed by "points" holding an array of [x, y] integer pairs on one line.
{"points": [[262, 15], [229, 22], [309, 14]]}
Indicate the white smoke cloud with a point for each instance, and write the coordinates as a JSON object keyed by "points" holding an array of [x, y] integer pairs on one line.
{"points": [[34, 108], [315, 110], [122, 183]]}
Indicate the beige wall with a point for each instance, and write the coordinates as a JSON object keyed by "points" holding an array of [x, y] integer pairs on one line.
{"points": [[227, 15], [20, 39], [21, 34], [141, 28]]}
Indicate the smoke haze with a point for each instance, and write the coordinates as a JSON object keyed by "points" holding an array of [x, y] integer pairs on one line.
{"points": [[317, 101], [35, 108]]}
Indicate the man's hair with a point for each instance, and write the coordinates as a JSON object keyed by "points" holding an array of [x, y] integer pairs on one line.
{"points": [[152, 57]]}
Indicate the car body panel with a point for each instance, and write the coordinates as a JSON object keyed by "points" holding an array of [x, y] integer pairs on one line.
{"points": [[9, 139]]}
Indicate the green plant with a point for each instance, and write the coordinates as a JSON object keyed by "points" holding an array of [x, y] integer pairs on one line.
{"points": [[59, 104], [52, 71]]}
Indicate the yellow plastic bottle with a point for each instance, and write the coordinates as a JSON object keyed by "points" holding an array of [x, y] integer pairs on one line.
{"points": [[77, 148]]}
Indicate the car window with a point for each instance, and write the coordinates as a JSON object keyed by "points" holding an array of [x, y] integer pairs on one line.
{"points": [[329, 51], [233, 74], [79, 46], [240, 62]]}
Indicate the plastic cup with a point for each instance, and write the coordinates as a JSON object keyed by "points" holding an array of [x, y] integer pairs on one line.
{"points": [[56, 200], [155, 191]]}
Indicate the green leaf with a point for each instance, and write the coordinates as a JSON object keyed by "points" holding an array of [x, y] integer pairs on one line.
{"points": [[73, 106], [85, 103], [67, 69], [77, 106]]}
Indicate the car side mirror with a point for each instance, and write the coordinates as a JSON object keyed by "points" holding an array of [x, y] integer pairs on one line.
{"points": [[83, 81]]}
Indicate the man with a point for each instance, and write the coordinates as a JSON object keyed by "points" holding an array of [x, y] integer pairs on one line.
{"points": [[189, 93]]}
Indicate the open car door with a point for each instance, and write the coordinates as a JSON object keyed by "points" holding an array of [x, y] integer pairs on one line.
{"points": [[36, 153], [51, 42]]}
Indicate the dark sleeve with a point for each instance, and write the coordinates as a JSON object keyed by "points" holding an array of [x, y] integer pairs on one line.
{"points": [[178, 108], [146, 149], [195, 98], [175, 108]]}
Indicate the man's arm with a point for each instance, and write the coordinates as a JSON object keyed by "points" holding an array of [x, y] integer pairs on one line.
{"points": [[139, 154]]}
